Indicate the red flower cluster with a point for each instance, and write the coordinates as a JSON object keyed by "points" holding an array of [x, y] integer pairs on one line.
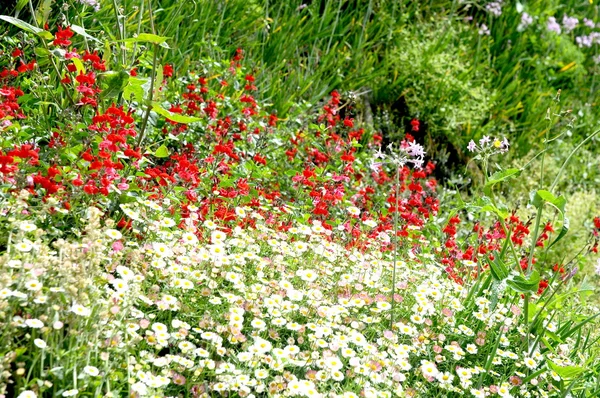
{"points": [[62, 36]]}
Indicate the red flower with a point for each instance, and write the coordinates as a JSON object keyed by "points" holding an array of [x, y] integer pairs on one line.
{"points": [[542, 286], [273, 120], [415, 124], [168, 70], [62, 37], [347, 157], [260, 159]]}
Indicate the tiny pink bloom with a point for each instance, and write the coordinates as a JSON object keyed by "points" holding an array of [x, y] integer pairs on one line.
{"points": [[178, 379], [117, 246]]}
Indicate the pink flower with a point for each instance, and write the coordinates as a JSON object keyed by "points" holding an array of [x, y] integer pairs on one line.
{"points": [[117, 246], [178, 379]]}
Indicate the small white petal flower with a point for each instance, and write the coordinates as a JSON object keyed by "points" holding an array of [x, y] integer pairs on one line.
{"points": [[91, 370], [34, 323], [24, 246], [113, 234], [27, 394], [27, 226], [39, 343], [80, 310]]}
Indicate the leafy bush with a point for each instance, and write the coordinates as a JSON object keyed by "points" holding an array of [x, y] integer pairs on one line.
{"points": [[432, 71]]}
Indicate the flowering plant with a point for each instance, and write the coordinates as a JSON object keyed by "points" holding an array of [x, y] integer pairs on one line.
{"points": [[168, 234]]}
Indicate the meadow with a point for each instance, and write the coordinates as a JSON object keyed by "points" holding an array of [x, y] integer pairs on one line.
{"points": [[326, 198]]}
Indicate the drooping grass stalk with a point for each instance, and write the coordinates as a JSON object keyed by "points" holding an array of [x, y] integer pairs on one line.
{"points": [[562, 168]]}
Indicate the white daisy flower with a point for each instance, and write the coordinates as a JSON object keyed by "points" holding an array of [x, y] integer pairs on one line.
{"points": [[91, 371], [113, 234]]}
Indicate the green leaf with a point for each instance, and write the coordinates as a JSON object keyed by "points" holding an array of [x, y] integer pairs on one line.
{"points": [[174, 116], [498, 269], [585, 289], [115, 83], [41, 52], [501, 176], [149, 38], [20, 5], [44, 34], [81, 31], [524, 285], [127, 198], [158, 76], [161, 152], [566, 372], [78, 65], [542, 196], [134, 91], [43, 12], [500, 213]]}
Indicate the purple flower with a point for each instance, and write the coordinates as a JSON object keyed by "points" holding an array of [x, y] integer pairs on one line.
{"points": [[485, 140], [418, 163], [95, 4], [494, 8], [569, 23], [526, 20], [484, 30], [584, 41], [472, 147], [597, 269], [415, 150], [553, 26], [589, 23]]}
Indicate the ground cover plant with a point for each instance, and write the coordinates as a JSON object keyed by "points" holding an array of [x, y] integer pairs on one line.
{"points": [[169, 228]]}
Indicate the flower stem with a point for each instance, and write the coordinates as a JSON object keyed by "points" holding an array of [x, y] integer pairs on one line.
{"points": [[395, 247]]}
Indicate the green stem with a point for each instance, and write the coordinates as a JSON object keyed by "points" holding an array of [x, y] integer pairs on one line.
{"points": [[139, 28], [149, 104], [395, 247], [120, 32], [51, 57]]}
